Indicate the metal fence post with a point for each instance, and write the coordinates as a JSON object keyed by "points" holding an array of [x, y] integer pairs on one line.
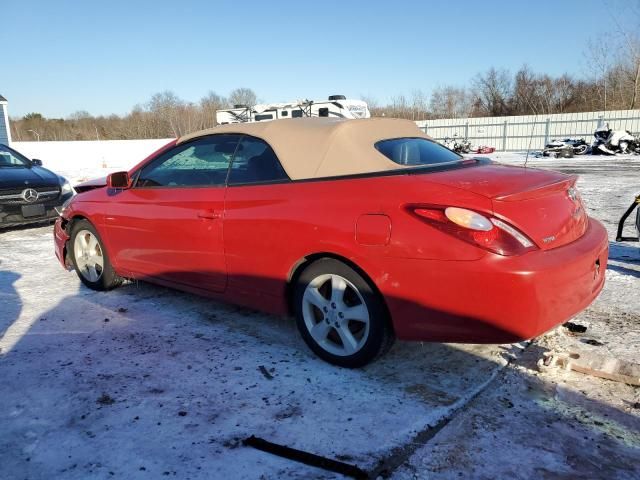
{"points": [[547, 129], [504, 136], [466, 130]]}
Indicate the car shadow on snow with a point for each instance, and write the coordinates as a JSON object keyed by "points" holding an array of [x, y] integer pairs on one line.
{"points": [[626, 258], [625, 252], [28, 226], [10, 301], [144, 380], [624, 270]]}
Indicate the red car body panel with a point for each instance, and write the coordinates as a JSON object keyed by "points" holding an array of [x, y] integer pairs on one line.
{"points": [[243, 244], [506, 299], [518, 198], [183, 245]]}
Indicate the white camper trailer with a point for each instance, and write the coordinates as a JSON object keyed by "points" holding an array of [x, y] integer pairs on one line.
{"points": [[337, 106]]}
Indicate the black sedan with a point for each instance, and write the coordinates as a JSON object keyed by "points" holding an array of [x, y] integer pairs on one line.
{"points": [[28, 192]]}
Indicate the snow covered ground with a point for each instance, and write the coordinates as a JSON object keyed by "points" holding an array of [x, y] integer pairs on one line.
{"points": [[145, 382], [82, 160], [559, 424]]}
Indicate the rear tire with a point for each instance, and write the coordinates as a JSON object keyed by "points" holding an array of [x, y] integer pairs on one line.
{"points": [[340, 316], [581, 149], [90, 258]]}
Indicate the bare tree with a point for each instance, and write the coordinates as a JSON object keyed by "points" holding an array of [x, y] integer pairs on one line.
{"points": [[399, 107], [598, 55], [629, 48], [243, 96], [635, 82], [492, 91], [209, 105], [525, 99], [565, 94], [165, 107], [450, 102]]}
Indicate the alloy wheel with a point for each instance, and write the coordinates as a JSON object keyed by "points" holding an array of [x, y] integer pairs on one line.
{"points": [[335, 314], [88, 255]]}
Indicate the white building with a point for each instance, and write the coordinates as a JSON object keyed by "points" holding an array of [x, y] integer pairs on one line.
{"points": [[5, 132]]}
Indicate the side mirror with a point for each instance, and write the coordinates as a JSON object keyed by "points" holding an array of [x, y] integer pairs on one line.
{"points": [[118, 180], [36, 162]]}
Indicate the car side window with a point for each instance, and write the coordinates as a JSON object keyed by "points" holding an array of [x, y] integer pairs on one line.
{"points": [[255, 162], [9, 159], [200, 163]]}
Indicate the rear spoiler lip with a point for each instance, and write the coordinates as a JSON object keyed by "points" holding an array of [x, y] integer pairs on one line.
{"points": [[539, 190]]}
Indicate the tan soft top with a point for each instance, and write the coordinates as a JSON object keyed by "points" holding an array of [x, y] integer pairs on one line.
{"points": [[322, 147]]}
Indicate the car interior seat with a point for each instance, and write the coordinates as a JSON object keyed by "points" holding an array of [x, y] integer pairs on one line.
{"points": [[260, 168]]}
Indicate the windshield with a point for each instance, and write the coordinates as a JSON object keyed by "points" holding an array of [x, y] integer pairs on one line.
{"points": [[416, 152], [11, 158]]}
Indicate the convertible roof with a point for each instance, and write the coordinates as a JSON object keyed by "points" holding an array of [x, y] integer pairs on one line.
{"points": [[323, 147]]}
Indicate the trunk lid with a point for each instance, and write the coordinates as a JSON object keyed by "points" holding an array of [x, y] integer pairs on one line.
{"points": [[542, 204], [91, 184]]}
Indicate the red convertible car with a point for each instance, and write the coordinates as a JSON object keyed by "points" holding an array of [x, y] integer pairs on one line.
{"points": [[365, 230]]}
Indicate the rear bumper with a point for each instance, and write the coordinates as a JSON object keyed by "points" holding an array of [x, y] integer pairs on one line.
{"points": [[60, 239], [496, 299]]}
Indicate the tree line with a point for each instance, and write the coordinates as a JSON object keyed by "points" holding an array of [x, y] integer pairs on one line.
{"points": [[613, 84], [165, 115], [497, 93]]}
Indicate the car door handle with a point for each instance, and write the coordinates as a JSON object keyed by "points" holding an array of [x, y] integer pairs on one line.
{"points": [[210, 214]]}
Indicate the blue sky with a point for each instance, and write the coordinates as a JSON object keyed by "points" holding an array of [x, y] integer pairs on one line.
{"points": [[104, 57]]}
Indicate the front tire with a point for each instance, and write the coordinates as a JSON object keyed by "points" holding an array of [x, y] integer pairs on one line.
{"points": [[340, 316], [90, 259]]}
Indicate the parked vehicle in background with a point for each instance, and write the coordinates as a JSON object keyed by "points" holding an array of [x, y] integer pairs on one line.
{"points": [[610, 142], [457, 144], [29, 193], [365, 230], [337, 106], [484, 149], [556, 148]]}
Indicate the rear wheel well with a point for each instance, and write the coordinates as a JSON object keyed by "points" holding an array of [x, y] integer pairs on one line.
{"points": [[303, 263]]}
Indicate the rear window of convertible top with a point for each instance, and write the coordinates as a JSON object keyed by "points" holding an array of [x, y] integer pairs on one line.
{"points": [[416, 151]]}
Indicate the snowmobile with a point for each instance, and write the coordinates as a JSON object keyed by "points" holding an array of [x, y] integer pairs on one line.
{"points": [[634, 206], [457, 145], [610, 142], [484, 149], [556, 147]]}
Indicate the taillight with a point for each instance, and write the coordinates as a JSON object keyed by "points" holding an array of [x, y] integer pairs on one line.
{"points": [[472, 227], [468, 219]]}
